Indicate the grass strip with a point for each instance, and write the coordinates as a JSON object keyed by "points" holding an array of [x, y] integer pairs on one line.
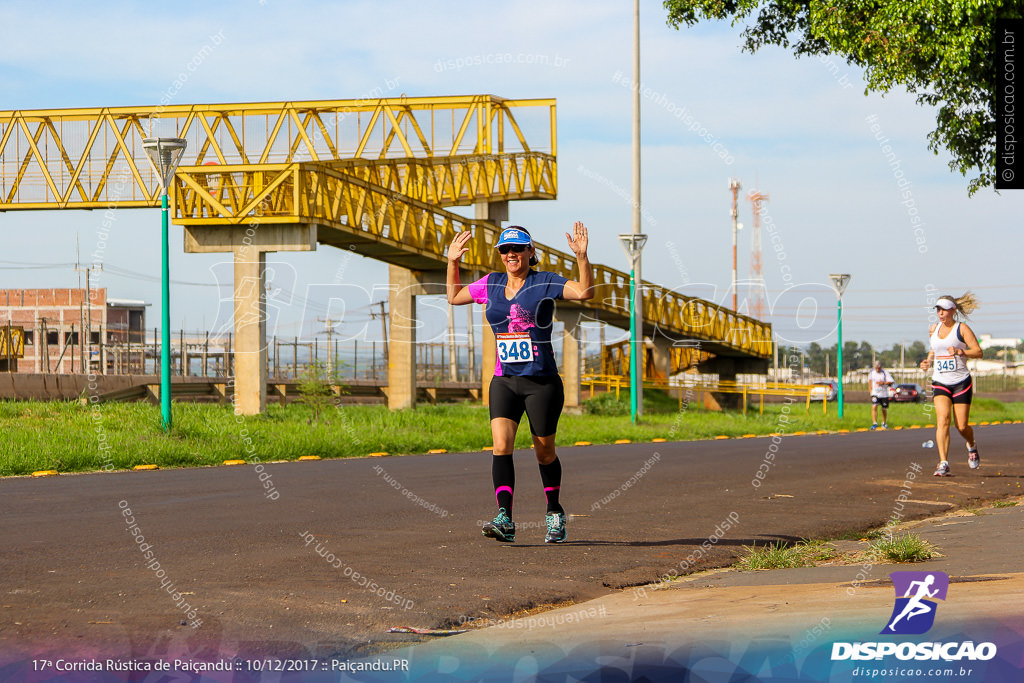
{"points": [[70, 437]]}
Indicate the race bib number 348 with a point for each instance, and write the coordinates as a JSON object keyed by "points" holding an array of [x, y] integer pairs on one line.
{"points": [[514, 347]]}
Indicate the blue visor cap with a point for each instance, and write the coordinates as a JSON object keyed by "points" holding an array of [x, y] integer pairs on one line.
{"points": [[513, 236]]}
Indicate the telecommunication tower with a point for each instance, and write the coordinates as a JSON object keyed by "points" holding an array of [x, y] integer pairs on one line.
{"points": [[756, 273]]}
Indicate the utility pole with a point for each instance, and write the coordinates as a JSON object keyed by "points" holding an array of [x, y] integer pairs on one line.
{"points": [[86, 345], [383, 324], [734, 186], [775, 354], [330, 348]]}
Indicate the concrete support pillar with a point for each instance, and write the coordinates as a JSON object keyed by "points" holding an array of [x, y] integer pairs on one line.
{"points": [[249, 245], [489, 351], [250, 331], [662, 358], [496, 213], [402, 341], [661, 349], [571, 360], [492, 212]]}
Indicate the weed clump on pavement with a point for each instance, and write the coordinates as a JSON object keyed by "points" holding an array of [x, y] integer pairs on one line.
{"points": [[781, 556], [904, 548]]}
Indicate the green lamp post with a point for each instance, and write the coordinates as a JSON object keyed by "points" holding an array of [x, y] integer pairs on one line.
{"points": [[839, 282], [165, 154], [633, 243]]}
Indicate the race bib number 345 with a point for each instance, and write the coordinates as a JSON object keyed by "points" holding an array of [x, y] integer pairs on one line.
{"points": [[945, 363], [514, 347]]}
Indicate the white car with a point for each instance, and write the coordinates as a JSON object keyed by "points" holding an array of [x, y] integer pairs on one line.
{"points": [[826, 389]]}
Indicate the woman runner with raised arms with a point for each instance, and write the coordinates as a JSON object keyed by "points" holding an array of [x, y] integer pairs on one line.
{"points": [[520, 309]]}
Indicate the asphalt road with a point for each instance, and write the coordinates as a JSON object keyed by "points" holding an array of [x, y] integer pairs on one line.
{"points": [[399, 541]]}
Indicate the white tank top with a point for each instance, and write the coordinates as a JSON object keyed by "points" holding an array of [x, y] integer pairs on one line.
{"points": [[946, 368]]}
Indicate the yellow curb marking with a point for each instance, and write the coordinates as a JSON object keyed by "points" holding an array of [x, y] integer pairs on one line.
{"points": [[309, 457], [658, 440], [623, 441], [582, 443], [379, 454], [45, 473], [146, 467], [435, 451], [234, 462]]}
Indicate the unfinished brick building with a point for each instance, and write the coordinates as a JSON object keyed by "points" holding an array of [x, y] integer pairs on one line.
{"points": [[66, 333]]}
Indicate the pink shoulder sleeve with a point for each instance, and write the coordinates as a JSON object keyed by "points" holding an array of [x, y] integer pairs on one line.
{"points": [[478, 290]]}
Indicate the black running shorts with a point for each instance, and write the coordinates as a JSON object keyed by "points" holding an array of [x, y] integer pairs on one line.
{"points": [[541, 397], [880, 401], [961, 392]]}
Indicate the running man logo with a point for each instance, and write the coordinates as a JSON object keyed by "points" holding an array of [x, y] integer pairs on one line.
{"points": [[916, 595]]}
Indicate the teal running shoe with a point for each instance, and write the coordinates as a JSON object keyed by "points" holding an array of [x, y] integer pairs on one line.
{"points": [[556, 527], [502, 528]]}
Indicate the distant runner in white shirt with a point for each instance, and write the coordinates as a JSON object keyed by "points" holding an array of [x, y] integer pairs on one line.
{"points": [[879, 381]]}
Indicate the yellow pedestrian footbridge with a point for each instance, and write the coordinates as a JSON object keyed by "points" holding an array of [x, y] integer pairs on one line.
{"points": [[374, 176]]}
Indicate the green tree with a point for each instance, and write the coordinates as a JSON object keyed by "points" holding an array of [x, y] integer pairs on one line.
{"points": [[816, 358], [916, 353], [890, 358], [942, 51], [317, 387]]}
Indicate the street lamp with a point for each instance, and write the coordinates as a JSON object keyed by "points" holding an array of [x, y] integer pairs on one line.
{"points": [[634, 244], [839, 282], [164, 154], [636, 241]]}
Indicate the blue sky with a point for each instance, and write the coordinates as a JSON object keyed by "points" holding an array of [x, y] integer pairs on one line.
{"points": [[849, 176]]}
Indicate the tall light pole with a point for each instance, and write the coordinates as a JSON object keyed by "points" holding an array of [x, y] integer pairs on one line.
{"points": [[734, 187], [164, 154], [634, 244], [636, 280], [839, 282]]}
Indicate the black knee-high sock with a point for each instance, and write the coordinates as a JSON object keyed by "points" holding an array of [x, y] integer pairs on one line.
{"points": [[551, 477], [503, 474]]}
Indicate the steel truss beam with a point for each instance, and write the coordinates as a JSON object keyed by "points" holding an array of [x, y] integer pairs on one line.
{"points": [[391, 226]]}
